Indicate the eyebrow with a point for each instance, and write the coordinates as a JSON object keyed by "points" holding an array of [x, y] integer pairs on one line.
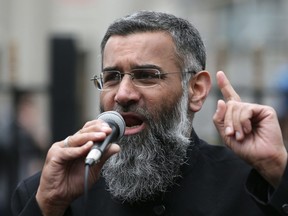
{"points": [[148, 66], [110, 69], [145, 66]]}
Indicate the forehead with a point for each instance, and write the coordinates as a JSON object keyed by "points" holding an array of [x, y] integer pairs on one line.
{"points": [[155, 48]]}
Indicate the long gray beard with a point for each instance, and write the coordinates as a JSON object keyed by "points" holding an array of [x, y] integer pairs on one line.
{"points": [[150, 161]]}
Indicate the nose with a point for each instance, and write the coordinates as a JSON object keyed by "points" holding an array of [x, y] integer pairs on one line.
{"points": [[127, 92]]}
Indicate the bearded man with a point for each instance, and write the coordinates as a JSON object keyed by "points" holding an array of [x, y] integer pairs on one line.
{"points": [[153, 74]]}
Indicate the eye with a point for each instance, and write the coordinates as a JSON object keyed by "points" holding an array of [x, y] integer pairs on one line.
{"points": [[110, 76], [146, 74]]}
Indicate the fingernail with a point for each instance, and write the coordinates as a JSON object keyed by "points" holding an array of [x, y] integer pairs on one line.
{"points": [[228, 131], [104, 124], [238, 135]]}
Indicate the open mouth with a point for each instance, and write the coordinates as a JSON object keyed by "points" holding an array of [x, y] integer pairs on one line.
{"points": [[134, 123]]}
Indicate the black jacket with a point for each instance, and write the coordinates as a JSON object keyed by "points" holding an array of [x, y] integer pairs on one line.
{"points": [[213, 183]]}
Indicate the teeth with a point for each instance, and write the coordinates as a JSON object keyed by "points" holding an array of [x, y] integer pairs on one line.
{"points": [[134, 126]]}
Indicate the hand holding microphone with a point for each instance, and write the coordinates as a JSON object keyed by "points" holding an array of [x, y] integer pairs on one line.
{"points": [[117, 124], [64, 165]]}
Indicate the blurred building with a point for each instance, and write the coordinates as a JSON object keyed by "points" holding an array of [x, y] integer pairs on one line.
{"points": [[51, 49]]}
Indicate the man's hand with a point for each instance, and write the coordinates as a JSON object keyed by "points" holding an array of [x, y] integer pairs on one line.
{"points": [[62, 178], [252, 131]]}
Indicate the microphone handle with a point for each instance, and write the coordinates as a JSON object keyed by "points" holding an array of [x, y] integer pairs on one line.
{"points": [[99, 147]]}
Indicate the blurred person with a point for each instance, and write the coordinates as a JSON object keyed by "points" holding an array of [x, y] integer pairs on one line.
{"points": [[153, 74], [282, 109], [30, 154], [20, 150]]}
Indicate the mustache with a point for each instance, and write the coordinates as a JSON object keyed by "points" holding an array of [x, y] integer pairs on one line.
{"points": [[146, 115], [131, 108]]}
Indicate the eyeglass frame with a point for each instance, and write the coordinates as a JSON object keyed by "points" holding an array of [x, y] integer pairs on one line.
{"points": [[99, 83]]}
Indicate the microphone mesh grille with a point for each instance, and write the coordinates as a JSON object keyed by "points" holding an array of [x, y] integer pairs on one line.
{"points": [[115, 117]]}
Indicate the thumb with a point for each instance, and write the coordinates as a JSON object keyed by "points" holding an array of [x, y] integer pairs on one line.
{"points": [[219, 115], [113, 149]]}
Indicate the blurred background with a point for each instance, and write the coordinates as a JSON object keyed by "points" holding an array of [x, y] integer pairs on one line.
{"points": [[50, 49]]}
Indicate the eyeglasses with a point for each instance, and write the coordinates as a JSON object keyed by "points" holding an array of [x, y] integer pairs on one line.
{"points": [[143, 78]]}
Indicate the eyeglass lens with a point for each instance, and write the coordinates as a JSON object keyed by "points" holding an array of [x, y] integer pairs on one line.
{"points": [[140, 77]]}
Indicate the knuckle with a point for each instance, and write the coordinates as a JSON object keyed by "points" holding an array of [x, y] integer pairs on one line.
{"points": [[271, 109], [232, 103], [216, 118], [87, 124], [53, 150]]}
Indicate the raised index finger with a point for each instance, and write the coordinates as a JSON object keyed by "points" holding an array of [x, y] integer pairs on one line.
{"points": [[226, 88]]}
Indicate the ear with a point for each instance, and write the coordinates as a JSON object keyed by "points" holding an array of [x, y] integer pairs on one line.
{"points": [[199, 87]]}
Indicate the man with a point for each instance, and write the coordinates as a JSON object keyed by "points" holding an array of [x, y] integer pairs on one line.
{"points": [[153, 74]]}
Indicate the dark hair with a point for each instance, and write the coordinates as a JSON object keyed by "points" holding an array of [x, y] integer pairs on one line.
{"points": [[190, 49]]}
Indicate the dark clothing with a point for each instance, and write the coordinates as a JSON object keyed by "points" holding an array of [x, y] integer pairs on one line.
{"points": [[213, 183]]}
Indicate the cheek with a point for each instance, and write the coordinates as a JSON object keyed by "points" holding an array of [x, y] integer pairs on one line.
{"points": [[165, 101], [106, 101]]}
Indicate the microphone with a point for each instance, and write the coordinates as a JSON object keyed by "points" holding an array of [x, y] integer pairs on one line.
{"points": [[117, 124]]}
